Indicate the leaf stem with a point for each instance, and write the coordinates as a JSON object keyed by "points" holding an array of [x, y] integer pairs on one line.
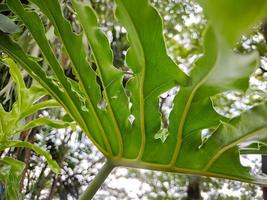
{"points": [[97, 181]]}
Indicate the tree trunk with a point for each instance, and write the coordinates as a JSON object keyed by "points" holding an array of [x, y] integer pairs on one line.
{"points": [[264, 157], [193, 189], [264, 170]]}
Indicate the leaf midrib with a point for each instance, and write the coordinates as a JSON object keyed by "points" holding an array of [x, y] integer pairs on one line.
{"points": [[166, 168], [140, 77], [186, 111]]}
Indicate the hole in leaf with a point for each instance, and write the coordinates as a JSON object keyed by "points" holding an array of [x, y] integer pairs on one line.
{"points": [[131, 119], [250, 156], [253, 162], [231, 104], [165, 107], [166, 104], [75, 88], [119, 45], [102, 105], [70, 16], [130, 105], [84, 108], [128, 74], [205, 135]]}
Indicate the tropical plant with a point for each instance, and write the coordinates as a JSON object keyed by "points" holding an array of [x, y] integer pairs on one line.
{"points": [[29, 101], [123, 119]]}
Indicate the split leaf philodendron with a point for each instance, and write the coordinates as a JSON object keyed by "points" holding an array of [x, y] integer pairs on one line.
{"points": [[133, 136]]}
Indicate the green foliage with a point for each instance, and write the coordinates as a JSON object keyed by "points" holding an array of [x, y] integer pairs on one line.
{"points": [[27, 104], [22, 144], [102, 105], [233, 18], [7, 25], [16, 121], [10, 175]]}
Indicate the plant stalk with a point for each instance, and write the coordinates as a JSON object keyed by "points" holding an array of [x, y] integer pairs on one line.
{"points": [[97, 181]]}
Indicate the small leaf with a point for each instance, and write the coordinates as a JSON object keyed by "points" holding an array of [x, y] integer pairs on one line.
{"points": [[162, 134], [40, 106], [10, 175], [44, 121], [52, 163], [35, 59]]}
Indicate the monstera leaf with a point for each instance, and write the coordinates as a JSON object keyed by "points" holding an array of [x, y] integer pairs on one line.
{"points": [[124, 121]]}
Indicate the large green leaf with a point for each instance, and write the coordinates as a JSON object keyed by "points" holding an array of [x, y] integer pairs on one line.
{"points": [[218, 70], [219, 155], [113, 91], [154, 72], [73, 100], [100, 126], [145, 143]]}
